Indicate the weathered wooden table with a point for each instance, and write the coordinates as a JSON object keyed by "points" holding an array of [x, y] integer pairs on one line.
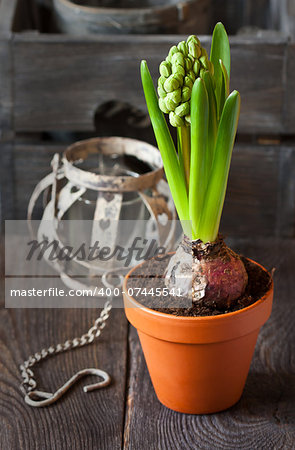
{"points": [[127, 414]]}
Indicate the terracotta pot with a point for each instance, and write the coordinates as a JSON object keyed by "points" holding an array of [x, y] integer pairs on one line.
{"points": [[198, 365]]}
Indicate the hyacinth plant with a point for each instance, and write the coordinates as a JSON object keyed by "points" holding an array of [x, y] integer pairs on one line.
{"points": [[193, 90]]}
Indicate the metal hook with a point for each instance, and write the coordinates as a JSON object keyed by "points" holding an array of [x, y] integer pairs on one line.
{"points": [[33, 398]]}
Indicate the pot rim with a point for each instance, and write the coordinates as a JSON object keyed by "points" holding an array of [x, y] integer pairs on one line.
{"points": [[200, 329], [196, 318]]}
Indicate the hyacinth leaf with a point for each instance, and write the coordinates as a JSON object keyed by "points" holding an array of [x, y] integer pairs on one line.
{"points": [[224, 87], [199, 135], [212, 124], [222, 97], [225, 78], [215, 194], [179, 151], [183, 135], [220, 49], [174, 174]]}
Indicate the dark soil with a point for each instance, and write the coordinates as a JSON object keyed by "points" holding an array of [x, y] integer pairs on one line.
{"points": [[149, 276]]}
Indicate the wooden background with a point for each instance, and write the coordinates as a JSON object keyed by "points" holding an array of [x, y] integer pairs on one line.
{"points": [[55, 89]]}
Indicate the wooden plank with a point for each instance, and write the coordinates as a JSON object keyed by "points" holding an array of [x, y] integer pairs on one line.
{"points": [[241, 13], [264, 417], [6, 133], [289, 103], [257, 73], [79, 420], [285, 226], [259, 201], [60, 81], [291, 17], [6, 80], [7, 205], [251, 201], [283, 16], [7, 11]]}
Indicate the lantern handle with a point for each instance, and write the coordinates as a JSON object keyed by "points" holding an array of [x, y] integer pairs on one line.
{"points": [[49, 180]]}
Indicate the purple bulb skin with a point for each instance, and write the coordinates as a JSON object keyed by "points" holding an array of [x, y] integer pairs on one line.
{"points": [[224, 275], [210, 273]]}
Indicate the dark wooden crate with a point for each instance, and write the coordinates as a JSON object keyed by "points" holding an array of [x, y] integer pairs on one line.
{"points": [[261, 193], [58, 81]]}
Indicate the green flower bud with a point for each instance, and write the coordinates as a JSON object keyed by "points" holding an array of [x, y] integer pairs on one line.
{"points": [[172, 50], [175, 120], [183, 109], [191, 58], [178, 59], [186, 94], [191, 75], [184, 63], [205, 62], [161, 81], [176, 95], [194, 49], [171, 84], [176, 69], [182, 47], [165, 69], [188, 82], [196, 67], [170, 102], [173, 99], [161, 91], [188, 64], [162, 106], [193, 38], [179, 77]]}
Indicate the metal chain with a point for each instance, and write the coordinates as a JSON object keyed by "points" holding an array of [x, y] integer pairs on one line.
{"points": [[29, 382]]}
